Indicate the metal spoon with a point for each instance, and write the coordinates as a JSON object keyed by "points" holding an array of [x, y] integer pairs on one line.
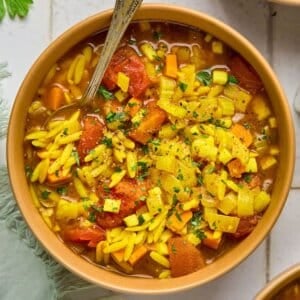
{"points": [[123, 12]]}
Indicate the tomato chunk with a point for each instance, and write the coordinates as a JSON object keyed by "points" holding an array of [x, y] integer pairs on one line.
{"points": [[246, 75], [91, 235], [127, 61], [185, 258], [246, 226], [131, 193], [91, 135]]}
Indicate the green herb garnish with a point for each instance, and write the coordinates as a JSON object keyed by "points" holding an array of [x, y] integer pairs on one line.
{"points": [[232, 79], [45, 194], [157, 35], [183, 86], [107, 95], [204, 77], [114, 116], [14, 8], [107, 142], [62, 190]]}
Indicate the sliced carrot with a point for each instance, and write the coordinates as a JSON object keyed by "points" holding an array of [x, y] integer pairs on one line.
{"points": [[243, 134], [118, 255], [211, 240], [58, 178], [184, 257], [150, 124], [137, 254], [171, 66], [236, 168], [55, 98], [133, 106], [177, 220]]}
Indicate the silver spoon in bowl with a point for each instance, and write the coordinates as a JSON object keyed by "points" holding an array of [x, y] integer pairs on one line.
{"points": [[123, 12]]}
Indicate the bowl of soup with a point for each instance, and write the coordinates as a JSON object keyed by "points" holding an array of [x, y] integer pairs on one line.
{"points": [[174, 173], [285, 286]]}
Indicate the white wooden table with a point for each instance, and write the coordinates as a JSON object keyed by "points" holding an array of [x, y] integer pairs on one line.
{"points": [[274, 29]]}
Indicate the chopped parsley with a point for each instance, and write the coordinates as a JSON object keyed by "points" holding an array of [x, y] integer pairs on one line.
{"points": [[62, 190], [173, 127], [114, 116], [247, 178], [180, 176], [65, 131], [155, 142], [74, 153], [195, 114], [204, 76], [200, 234], [232, 79], [92, 217], [107, 95], [173, 249], [176, 189], [45, 194], [196, 219], [183, 86], [28, 171], [117, 169], [178, 216], [107, 142], [145, 149], [141, 219], [143, 169], [157, 35], [106, 189]]}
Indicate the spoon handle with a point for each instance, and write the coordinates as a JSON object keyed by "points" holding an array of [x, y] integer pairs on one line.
{"points": [[122, 15]]}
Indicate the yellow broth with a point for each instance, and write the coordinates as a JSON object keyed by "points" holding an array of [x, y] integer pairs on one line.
{"points": [[175, 157]]}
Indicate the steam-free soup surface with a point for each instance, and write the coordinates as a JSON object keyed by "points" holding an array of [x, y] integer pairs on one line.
{"points": [[170, 166]]}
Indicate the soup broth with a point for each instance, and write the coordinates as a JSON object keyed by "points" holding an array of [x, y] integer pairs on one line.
{"points": [[169, 167]]}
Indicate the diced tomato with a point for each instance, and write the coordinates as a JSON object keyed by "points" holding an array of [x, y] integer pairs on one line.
{"points": [[246, 226], [127, 61], [255, 181], [91, 135], [246, 75], [91, 235], [185, 258], [130, 192]]}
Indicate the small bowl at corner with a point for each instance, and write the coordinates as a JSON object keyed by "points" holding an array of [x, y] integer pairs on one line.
{"points": [[277, 286], [83, 268]]}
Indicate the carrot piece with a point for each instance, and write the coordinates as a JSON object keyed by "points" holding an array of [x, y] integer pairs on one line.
{"points": [[212, 240], [177, 220], [150, 124], [171, 65], [55, 98], [184, 257], [118, 255], [236, 168], [133, 106], [137, 254], [57, 177], [243, 134]]}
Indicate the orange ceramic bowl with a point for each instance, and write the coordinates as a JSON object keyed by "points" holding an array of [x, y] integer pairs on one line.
{"points": [[60, 251], [278, 284]]}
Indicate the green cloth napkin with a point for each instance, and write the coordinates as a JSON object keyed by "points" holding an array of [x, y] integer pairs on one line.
{"points": [[26, 270]]}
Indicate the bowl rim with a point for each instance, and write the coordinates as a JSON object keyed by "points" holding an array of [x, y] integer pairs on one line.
{"points": [[279, 282], [64, 255]]}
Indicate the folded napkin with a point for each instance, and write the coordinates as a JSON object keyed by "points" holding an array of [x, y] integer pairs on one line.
{"points": [[32, 273]]}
